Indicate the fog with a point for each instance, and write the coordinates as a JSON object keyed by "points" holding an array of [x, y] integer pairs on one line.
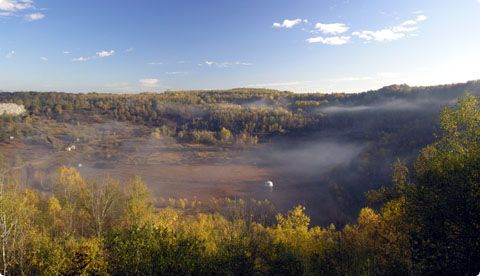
{"points": [[310, 158], [391, 105]]}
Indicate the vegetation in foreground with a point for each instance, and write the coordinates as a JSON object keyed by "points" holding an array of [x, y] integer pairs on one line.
{"points": [[426, 223]]}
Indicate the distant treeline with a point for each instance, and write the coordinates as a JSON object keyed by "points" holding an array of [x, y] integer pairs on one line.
{"points": [[426, 223], [244, 112]]}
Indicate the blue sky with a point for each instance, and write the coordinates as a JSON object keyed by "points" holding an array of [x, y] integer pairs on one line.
{"points": [[301, 45]]}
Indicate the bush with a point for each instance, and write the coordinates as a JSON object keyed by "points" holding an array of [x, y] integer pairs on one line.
{"points": [[203, 137]]}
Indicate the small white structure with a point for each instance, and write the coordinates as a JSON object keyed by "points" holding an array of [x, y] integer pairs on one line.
{"points": [[268, 184], [11, 137], [80, 165], [70, 148]]}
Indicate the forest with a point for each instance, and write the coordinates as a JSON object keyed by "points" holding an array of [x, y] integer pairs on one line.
{"points": [[423, 219], [393, 122]]}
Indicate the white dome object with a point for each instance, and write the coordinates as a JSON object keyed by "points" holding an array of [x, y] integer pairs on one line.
{"points": [[268, 183]]}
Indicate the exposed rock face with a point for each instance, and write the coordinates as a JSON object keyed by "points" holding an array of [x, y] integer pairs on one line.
{"points": [[11, 109]]}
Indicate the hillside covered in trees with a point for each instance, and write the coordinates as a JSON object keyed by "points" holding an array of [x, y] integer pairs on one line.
{"points": [[254, 112], [330, 146], [425, 222]]}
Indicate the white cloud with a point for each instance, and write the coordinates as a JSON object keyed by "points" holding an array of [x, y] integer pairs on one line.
{"points": [[334, 28], [381, 35], [226, 64], [334, 40], [15, 5], [100, 54], [34, 16], [10, 54], [66, 52], [391, 33], [422, 17], [149, 82], [242, 63], [44, 58], [156, 63], [129, 50], [105, 53], [82, 59], [177, 73], [287, 24]]}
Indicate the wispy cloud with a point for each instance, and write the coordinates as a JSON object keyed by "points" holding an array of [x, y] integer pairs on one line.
{"points": [[422, 17], [338, 33], [105, 53], [34, 16], [380, 35], [334, 40], [226, 64], [333, 28], [82, 59], [287, 23], [149, 82], [66, 52], [391, 33], [129, 50], [156, 63], [10, 54], [99, 54], [12, 6], [44, 58], [176, 73]]}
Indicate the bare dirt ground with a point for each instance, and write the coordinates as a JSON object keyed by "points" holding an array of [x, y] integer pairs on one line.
{"points": [[171, 169]]}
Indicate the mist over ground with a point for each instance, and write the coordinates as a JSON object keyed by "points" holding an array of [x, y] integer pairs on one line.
{"points": [[323, 151]]}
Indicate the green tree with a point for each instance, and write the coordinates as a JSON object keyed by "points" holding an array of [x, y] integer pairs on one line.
{"points": [[226, 135], [139, 204], [444, 206]]}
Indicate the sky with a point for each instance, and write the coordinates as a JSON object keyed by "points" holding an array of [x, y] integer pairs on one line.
{"points": [[303, 45]]}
